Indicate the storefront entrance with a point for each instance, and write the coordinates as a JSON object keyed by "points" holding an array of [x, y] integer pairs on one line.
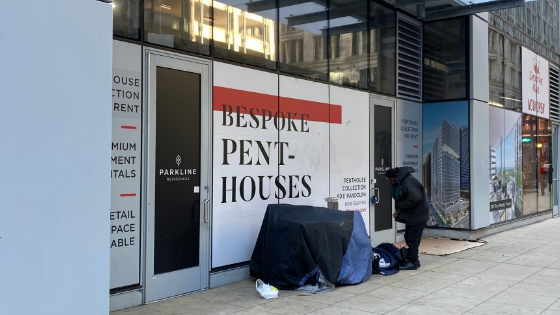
{"points": [[177, 175], [382, 157]]}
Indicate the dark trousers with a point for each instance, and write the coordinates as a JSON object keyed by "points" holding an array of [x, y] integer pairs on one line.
{"points": [[412, 237]]}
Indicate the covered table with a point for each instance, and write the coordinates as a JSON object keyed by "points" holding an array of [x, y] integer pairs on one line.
{"points": [[298, 245]]}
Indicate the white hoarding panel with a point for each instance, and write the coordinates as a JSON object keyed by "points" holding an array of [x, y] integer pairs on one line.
{"points": [[272, 146], [409, 136], [126, 165], [246, 154], [304, 136], [535, 84], [349, 154]]}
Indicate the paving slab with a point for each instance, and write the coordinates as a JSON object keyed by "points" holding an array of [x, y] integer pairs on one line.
{"points": [[449, 302], [495, 308], [509, 297], [516, 272]]}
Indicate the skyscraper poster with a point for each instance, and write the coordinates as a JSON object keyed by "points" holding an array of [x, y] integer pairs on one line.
{"points": [[506, 189], [445, 163]]}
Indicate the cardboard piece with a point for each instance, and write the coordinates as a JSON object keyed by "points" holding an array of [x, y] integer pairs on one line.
{"points": [[441, 246]]}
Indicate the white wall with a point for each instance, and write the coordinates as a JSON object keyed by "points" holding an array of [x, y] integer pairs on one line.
{"points": [[349, 151], [55, 135]]}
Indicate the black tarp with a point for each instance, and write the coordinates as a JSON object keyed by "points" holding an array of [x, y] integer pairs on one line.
{"points": [[296, 243]]}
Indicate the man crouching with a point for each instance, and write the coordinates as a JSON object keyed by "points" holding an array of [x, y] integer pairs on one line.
{"points": [[411, 208]]}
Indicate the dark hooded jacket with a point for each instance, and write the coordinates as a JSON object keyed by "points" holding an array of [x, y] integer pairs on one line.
{"points": [[410, 198]]}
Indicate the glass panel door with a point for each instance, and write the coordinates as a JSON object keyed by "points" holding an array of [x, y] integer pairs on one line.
{"points": [[177, 176], [381, 159], [177, 238]]}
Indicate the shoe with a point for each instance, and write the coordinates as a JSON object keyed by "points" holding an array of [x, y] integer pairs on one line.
{"points": [[419, 264], [408, 266]]}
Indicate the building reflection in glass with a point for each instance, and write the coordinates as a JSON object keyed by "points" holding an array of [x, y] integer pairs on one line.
{"points": [[246, 32], [504, 61], [347, 42], [181, 24], [536, 19]]}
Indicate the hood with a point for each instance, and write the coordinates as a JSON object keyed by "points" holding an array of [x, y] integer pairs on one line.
{"points": [[403, 173]]}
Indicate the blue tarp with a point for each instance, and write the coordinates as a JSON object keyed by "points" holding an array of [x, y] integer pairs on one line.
{"points": [[297, 245], [357, 262]]}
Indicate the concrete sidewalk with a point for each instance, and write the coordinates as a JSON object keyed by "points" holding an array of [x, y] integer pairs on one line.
{"points": [[516, 272]]}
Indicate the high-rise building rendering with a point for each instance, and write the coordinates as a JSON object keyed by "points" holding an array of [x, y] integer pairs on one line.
{"points": [[465, 158], [426, 173], [493, 171], [446, 167]]}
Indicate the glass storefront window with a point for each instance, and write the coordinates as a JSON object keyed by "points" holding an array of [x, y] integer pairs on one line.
{"points": [[126, 18], [504, 61], [348, 36], [302, 47], [245, 31], [537, 159], [537, 19], [180, 24], [530, 163], [445, 60], [338, 41], [383, 49], [544, 155]]}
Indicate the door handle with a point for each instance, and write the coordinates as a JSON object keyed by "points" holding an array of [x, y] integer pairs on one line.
{"points": [[206, 212], [374, 197]]}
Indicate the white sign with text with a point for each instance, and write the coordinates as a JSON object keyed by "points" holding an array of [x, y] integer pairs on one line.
{"points": [[535, 84], [126, 151], [349, 151], [409, 136], [271, 145]]}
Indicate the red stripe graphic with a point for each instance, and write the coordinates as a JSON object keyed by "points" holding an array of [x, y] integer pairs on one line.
{"points": [[317, 111], [128, 195], [128, 127], [336, 114]]}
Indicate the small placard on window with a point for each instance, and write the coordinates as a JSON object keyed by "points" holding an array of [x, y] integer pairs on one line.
{"points": [[196, 189]]}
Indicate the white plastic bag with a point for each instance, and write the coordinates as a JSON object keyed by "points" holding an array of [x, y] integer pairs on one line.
{"points": [[265, 290]]}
